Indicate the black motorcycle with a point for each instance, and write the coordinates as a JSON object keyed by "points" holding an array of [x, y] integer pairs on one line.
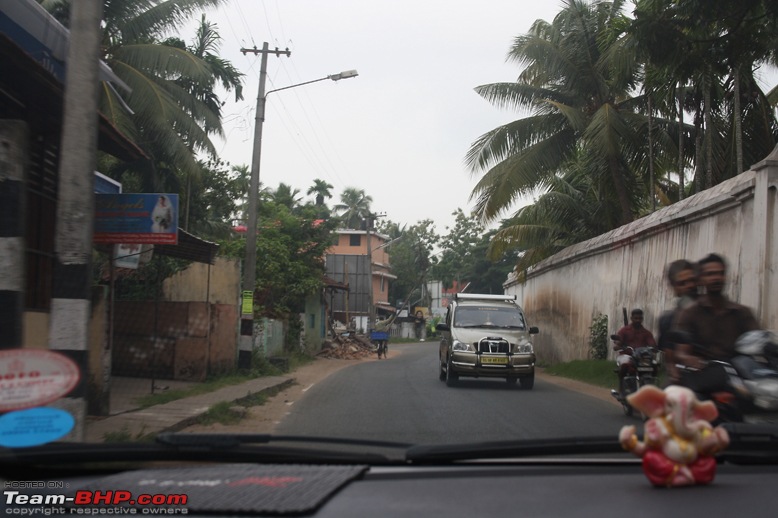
{"points": [[642, 368], [744, 388]]}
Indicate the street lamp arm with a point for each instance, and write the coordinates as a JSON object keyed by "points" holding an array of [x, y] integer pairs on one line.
{"points": [[334, 77]]}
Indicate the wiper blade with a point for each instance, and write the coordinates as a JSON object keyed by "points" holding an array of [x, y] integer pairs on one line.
{"points": [[212, 447], [751, 443], [511, 449], [232, 440]]}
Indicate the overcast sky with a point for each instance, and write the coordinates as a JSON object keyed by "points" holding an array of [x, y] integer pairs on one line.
{"points": [[402, 128]]}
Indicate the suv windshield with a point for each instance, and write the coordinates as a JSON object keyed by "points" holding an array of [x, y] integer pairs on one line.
{"points": [[484, 316]]}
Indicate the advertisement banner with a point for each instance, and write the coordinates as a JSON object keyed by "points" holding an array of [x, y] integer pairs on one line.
{"points": [[136, 218]]}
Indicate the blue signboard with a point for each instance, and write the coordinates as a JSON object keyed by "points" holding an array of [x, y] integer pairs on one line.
{"points": [[136, 218]]}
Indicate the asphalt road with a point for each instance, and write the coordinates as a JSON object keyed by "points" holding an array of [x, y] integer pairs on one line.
{"points": [[402, 399]]}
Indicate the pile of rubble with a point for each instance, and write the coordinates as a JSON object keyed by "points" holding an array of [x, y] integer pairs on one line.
{"points": [[348, 347]]}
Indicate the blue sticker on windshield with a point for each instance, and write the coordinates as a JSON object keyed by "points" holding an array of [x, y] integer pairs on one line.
{"points": [[34, 426]]}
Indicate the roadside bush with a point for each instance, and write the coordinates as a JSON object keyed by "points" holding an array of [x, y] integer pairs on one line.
{"points": [[598, 338]]}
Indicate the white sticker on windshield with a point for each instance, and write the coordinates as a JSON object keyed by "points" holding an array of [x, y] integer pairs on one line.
{"points": [[34, 377]]}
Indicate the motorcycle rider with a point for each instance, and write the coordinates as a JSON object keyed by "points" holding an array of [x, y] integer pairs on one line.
{"points": [[633, 335], [713, 322], [682, 277]]}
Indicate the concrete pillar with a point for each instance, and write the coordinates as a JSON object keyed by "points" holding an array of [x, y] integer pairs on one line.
{"points": [[13, 161]]}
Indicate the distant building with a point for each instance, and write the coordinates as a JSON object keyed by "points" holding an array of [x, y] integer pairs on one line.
{"points": [[360, 259]]}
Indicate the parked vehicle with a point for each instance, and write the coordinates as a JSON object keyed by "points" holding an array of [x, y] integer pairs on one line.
{"points": [[642, 368], [486, 336]]}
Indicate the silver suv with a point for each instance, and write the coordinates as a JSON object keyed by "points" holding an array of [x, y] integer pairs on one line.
{"points": [[486, 336]]}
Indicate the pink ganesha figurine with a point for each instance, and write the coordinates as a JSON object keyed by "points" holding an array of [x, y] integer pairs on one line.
{"points": [[679, 440]]}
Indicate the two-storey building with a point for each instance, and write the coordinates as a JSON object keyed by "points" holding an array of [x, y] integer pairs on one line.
{"points": [[360, 259]]}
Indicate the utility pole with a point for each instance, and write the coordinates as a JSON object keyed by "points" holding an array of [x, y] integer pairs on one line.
{"points": [[371, 318], [71, 291], [246, 344]]}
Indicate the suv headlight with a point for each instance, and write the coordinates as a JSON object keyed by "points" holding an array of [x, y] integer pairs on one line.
{"points": [[461, 346], [524, 346]]}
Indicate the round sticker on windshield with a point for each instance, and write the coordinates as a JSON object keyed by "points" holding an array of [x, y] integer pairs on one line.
{"points": [[34, 377], [34, 426]]}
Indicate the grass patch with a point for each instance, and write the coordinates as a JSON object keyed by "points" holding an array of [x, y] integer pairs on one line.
{"points": [[124, 435], [223, 413], [232, 412], [261, 367], [594, 372]]}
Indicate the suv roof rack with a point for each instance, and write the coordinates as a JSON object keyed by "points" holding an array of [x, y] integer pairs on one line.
{"points": [[476, 296]]}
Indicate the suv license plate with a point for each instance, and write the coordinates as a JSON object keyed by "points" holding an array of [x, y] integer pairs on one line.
{"points": [[494, 361]]}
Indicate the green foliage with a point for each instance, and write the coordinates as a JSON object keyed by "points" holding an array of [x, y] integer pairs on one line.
{"points": [[411, 255], [212, 200], [290, 246], [458, 245], [598, 337], [145, 283], [354, 207]]}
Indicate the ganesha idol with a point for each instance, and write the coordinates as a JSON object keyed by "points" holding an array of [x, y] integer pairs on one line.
{"points": [[679, 441]]}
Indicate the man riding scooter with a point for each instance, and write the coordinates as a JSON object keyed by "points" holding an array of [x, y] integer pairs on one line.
{"points": [[628, 339]]}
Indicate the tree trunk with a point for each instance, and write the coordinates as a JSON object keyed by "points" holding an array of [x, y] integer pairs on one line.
{"points": [[621, 191], [738, 121], [651, 192], [681, 161], [708, 111], [698, 162]]}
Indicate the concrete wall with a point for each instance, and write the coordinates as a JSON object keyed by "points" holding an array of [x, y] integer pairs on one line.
{"points": [[174, 340], [219, 283], [625, 267]]}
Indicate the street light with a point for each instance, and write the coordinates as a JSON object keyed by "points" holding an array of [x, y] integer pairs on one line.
{"points": [[249, 269]]}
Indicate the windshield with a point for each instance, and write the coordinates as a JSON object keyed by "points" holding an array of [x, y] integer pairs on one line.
{"points": [[289, 203], [488, 316]]}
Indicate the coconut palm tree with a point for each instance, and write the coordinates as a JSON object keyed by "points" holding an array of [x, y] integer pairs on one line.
{"points": [[569, 212], [712, 49], [578, 88], [171, 111], [321, 189], [354, 207], [286, 195]]}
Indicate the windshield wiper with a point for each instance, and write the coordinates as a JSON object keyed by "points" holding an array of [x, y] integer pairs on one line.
{"points": [[507, 449], [213, 447], [751, 443]]}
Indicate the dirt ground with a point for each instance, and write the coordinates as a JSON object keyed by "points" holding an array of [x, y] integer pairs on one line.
{"points": [[264, 418]]}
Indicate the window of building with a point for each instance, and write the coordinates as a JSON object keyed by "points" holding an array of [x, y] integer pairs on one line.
{"points": [[355, 240]]}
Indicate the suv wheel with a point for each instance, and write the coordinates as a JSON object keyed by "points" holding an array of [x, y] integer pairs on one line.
{"points": [[451, 376], [528, 382]]}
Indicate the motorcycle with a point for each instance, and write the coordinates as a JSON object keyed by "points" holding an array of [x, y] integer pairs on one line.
{"points": [[642, 369], [744, 389]]}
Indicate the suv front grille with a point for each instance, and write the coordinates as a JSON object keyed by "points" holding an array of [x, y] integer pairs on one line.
{"points": [[492, 345]]}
